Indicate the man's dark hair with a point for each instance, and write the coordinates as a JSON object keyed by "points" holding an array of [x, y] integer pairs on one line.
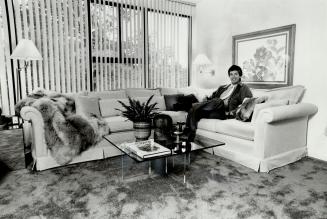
{"points": [[235, 68]]}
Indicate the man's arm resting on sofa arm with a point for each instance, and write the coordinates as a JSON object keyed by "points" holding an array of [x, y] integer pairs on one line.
{"points": [[282, 129], [38, 141]]}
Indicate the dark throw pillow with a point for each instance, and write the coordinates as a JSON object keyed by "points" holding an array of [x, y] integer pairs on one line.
{"points": [[171, 100], [185, 103]]}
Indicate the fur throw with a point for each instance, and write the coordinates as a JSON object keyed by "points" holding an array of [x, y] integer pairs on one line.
{"points": [[67, 134]]}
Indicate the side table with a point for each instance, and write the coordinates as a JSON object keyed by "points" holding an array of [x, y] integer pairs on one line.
{"points": [[14, 154]]}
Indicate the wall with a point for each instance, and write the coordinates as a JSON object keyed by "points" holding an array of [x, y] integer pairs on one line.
{"points": [[217, 21]]}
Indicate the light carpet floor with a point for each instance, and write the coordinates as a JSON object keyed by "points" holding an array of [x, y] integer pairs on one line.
{"points": [[215, 188]]}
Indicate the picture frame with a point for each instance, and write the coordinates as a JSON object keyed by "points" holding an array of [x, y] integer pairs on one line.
{"points": [[266, 57]]}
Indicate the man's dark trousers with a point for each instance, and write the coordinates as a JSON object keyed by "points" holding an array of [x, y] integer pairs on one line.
{"points": [[210, 109]]}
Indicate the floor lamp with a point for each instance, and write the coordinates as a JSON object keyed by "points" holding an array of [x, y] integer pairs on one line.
{"points": [[26, 51]]}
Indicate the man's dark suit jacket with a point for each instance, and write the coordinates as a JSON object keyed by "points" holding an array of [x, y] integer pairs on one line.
{"points": [[236, 98]]}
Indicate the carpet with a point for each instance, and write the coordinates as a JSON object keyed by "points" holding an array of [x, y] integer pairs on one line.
{"points": [[215, 188]]}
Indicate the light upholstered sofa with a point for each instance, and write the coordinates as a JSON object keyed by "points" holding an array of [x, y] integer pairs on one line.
{"points": [[276, 136]]}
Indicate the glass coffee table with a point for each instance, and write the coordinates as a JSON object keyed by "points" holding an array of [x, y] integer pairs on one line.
{"points": [[120, 139]]}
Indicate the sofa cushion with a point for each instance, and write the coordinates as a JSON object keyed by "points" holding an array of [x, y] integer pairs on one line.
{"points": [[119, 123], [170, 100], [187, 90], [142, 92], [87, 106], [202, 93], [112, 94], [168, 91], [177, 116], [160, 100], [108, 107], [291, 93], [259, 92], [258, 107], [231, 127]]}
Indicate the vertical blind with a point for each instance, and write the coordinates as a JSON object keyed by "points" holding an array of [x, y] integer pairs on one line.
{"points": [[138, 43], [59, 30], [6, 77], [130, 43], [169, 32]]}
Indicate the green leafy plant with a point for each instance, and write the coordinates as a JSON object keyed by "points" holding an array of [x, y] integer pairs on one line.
{"points": [[137, 111]]}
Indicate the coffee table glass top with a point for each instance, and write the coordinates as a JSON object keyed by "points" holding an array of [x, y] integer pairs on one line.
{"points": [[200, 143]]}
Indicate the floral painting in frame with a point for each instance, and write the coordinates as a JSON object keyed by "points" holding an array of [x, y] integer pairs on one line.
{"points": [[266, 56]]}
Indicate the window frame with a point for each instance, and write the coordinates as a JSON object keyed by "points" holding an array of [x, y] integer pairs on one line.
{"points": [[131, 60]]}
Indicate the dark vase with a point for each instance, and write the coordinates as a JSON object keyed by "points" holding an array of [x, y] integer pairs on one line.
{"points": [[163, 126]]}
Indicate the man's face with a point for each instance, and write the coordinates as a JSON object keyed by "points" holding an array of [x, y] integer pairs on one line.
{"points": [[234, 77]]}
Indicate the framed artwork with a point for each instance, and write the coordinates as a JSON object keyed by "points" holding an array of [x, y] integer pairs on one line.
{"points": [[266, 57]]}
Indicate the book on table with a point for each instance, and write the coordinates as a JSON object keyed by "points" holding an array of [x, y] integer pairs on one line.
{"points": [[146, 149]]}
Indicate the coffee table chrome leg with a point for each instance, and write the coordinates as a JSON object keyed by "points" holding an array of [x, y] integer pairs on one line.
{"points": [[184, 168], [189, 158], [122, 167], [166, 165], [149, 162]]}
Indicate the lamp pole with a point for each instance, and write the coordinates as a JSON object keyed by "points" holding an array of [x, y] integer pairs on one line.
{"points": [[19, 70]]}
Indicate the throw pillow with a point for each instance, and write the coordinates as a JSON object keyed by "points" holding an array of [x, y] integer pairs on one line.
{"points": [[244, 112], [87, 106], [170, 100], [185, 103], [265, 105]]}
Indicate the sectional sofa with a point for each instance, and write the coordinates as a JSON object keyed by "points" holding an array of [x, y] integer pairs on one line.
{"points": [[276, 136]]}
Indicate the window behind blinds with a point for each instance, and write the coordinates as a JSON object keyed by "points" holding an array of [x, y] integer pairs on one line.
{"points": [[6, 78], [94, 45], [140, 43]]}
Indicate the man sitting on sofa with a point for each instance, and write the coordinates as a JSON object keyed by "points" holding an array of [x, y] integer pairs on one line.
{"points": [[222, 104]]}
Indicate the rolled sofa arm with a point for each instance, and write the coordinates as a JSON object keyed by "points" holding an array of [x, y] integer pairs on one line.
{"points": [[32, 115], [274, 114]]}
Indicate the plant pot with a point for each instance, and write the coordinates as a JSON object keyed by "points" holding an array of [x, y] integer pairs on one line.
{"points": [[142, 130]]}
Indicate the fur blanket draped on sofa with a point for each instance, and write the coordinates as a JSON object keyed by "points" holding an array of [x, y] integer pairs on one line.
{"points": [[66, 133]]}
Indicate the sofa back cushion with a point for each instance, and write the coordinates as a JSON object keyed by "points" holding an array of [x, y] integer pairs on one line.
{"points": [[108, 107], [168, 91], [291, 93], [160, 100], [87, 105], [112, 94], [258, 92], [141, 92]]}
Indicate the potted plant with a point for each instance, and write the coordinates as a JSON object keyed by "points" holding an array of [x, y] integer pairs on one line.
{"points": [[141, 114]]}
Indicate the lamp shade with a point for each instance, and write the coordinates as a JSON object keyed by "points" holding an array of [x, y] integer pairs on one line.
{"points": [[26, 50], [202, 59]]}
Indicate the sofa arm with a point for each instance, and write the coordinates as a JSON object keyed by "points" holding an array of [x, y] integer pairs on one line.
{"points": [[282, 129], [39, 146], [274, 114]]}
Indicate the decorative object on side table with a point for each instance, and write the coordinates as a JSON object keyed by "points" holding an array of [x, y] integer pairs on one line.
{"points": [[4, 121], [141, 114], [163, 126]]}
